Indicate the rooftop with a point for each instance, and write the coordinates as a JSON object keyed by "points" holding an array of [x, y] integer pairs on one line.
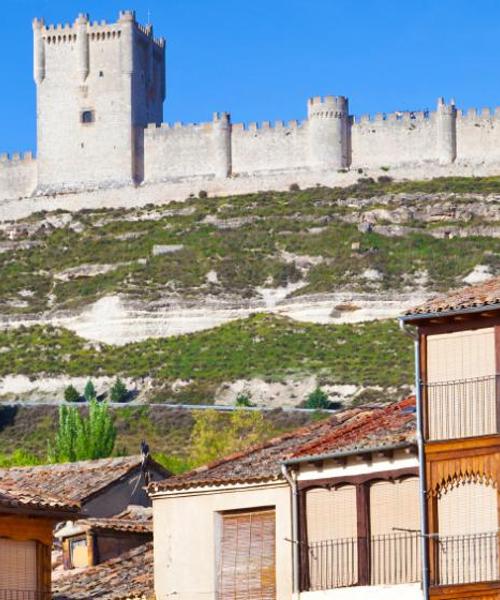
{"points": [[486, 294], [76, 482], [129, 575], [28, 501], [356, 429], [134, 519]]}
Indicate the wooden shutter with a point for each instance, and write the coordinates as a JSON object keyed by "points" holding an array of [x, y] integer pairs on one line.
{"points": [[467, 408], [18, 565], [332, 537], [468, 539], [394, 525], [247, 568]]}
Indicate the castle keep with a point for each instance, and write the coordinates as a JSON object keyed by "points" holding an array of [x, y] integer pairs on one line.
{"points": [[100, 93]]}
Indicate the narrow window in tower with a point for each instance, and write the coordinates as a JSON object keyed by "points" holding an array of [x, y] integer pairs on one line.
{"points": [[101, 73], [88, 116]]}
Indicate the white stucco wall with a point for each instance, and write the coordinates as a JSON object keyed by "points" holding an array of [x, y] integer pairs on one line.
{"points": [[185, 538]]}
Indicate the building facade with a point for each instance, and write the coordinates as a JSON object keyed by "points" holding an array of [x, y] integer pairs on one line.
{"points": [[458, 375]]}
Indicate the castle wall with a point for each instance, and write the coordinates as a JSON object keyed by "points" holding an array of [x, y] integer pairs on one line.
{"points": [[394, 140], [478, 136], [177, 151], [18, 175], [265, 148]]}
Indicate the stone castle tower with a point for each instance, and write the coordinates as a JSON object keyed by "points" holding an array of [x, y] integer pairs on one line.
{"points": [[98, 85]]}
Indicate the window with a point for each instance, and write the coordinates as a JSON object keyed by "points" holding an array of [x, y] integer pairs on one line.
{"points": [[88, 116], [332, 537], [78, 553], [467, 547], [18, 568], [101, 73], [394, 527], [246, 558]]}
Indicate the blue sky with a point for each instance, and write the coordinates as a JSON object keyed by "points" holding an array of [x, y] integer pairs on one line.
{"points": [[261, 59]]}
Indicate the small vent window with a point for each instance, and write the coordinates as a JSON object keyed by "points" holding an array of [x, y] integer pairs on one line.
{"points": [[88, 116]]}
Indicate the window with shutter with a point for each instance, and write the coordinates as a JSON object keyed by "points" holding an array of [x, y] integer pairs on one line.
{"points": [[461, 394], [18, 565], [332, 537], [247, 549], [394, 526], [468, 539]]}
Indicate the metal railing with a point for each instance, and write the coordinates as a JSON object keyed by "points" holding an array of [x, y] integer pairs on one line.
{"points": [[395, 559], [391, 559], [468, 558], [462, 408], [16, 594]]}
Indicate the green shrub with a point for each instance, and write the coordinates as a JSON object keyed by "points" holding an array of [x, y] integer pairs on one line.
{"points": [[243, 399], [317, 399], [71, 394], [119, 391]]}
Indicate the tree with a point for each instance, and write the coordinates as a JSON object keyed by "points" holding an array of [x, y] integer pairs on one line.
{"points": [[71, 394], [89, 392], [119, 392], [213, 436], [318, 399], [83, 438]]}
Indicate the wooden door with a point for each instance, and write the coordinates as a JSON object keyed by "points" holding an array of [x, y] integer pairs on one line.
{"points": [[247, 551]]}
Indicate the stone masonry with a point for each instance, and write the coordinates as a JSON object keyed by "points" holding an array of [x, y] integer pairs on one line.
{"points": [[101, 140]]}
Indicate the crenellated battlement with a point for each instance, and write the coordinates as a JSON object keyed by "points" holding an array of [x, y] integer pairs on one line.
{"points": [[16, 157], [327, 107], [56, 33], [267, 126]]}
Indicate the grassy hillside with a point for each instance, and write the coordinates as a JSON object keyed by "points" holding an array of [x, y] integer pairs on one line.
{"points": [[266, 346], [247, 241]]}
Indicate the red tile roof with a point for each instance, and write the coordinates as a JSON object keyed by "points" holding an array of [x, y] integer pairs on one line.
{"points": [[369, 429], [77, 481], [353, 429], [135, 519], [475, 296], [22, 499], [129, 575]]}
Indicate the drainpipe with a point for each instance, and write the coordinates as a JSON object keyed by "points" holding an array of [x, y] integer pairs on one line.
{"points": [[291, 478], [421, 459]]}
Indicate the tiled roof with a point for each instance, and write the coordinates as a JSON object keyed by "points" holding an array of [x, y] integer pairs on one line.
{"points": [[134, 519], [77, 481], [370, 428], [474, 296], [129, 575], [351, 429], [22, 499]]}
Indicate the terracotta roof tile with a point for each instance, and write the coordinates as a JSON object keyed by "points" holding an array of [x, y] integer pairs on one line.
{"points": [[357, 428], [371, 428], [134, 519], [130, 575], [76, 481], [14, 498], [475, 296]]}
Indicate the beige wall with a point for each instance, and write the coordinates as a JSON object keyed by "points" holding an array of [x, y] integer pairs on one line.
{"points": [[185, 538]]}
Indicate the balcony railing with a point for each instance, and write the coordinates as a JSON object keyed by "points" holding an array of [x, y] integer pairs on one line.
{"points": [[391, 559], [462, 408], [16, 594], [470, 558]]}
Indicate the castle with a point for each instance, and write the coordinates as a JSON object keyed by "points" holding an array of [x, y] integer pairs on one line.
{"points": [[100, 92]]}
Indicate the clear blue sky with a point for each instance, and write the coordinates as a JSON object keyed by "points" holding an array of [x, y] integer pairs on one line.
{"points": [[261, 59]]}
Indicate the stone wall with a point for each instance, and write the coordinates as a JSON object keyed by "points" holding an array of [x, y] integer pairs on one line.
{"points": [[18, 175]]}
